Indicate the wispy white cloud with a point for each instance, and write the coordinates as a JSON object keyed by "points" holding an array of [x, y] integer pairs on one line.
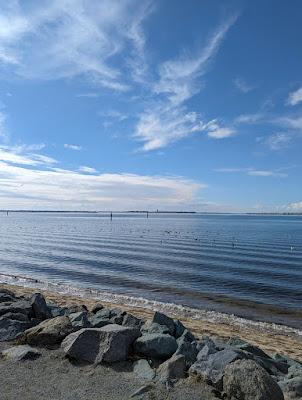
{"points": [[72, 147], [167, 119], [24, 187], [88, 170], [66, 38], [91, 95], [216, 131], [255, 172], [3, 130], [295, 97], [279, 140], [15, 155], [113, 114], [243, 86]]}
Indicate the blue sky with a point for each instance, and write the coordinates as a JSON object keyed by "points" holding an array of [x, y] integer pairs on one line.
{"points": [[141, 104]]}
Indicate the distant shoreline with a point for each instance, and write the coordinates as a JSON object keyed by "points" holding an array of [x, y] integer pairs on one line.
{"points": [[151, 212]]}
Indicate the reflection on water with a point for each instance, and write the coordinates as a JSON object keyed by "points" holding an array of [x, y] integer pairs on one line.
{"points": [[247, 265]]}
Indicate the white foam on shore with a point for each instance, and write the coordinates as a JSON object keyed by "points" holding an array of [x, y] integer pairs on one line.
{"points": [[140, 302]]}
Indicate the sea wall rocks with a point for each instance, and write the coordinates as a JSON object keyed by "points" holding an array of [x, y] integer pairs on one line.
{"points": [[160, 351], [48, 333], [110, 343], [245, 379]]}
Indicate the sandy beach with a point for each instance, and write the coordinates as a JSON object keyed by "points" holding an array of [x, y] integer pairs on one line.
{"points": [[268, 340]]}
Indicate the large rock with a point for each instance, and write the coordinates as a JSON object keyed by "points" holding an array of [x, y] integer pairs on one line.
{"points": [[188, 350], [142, 370], [20, 353], [172, 369], [11, 328], [179, 328], [6, 297], [153, 327], [20, 306], [156, 345], [212, 369], [246, 380], [292, 387], [132, 321], [162, 319], [79, 320], [48, 333], [40, 309], [110, 343], [100, 318]]}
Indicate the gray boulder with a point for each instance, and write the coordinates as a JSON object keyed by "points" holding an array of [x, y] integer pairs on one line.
{"points": [[188, 350], [142, 369], [132, 321], [79, 320], [57, 311], [40, 309], [172, 369], [10, 328], [292, 387], [76, 308], [117, 316], [110, 343], [6, 298], [188, 336], [212, 369], [19, 306], [97, 308], [154, 345], [20, 353], [246, 380], [162, 319], [208, 349], [48, 333], [179, 328], [100, 319], [295, 370], [153, 327]]}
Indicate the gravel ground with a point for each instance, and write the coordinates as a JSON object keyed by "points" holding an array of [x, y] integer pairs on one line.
{"points": [[53, 377]]}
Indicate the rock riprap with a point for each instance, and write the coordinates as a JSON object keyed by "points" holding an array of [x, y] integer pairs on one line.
{"points": [[247, 380], [160, 351], [110, 343]]}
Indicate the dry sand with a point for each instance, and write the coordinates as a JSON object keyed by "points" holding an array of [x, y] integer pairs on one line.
{"points": [[270, 341]]}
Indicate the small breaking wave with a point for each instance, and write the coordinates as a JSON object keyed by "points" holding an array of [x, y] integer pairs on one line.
{"points": [[140, 302]]}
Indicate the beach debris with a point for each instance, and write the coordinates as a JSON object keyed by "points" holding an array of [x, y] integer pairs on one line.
{"points": [[21, 353], [142, 369], [156, 345], [245, 379], [110, 343]]}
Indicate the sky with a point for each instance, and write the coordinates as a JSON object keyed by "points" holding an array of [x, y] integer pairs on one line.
{"points": [[151, 104]]}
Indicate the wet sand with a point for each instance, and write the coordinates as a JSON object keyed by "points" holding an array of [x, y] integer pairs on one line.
{"points": [[268, 340]]}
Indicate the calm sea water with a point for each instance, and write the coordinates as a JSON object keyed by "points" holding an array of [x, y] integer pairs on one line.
{"points": [[247, 265]]}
